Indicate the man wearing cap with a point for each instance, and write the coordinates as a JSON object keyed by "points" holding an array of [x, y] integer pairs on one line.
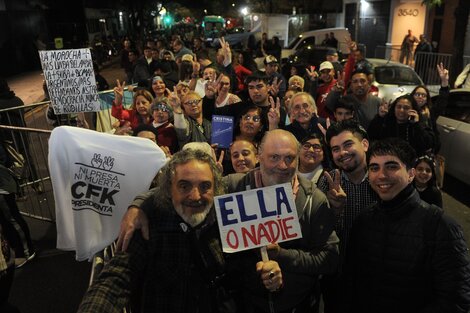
{"points": [[271, 69], [320, 90]]}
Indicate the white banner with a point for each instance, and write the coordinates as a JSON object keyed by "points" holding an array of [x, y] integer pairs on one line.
{"points": [[70, 80]]}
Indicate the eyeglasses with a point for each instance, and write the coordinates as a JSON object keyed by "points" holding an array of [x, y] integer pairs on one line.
{"points": [[315, 146], [162, 107], [255, 118], [192, 102], [420, 95]]}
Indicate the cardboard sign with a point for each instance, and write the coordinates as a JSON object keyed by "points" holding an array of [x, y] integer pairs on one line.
{"points": [[222, 130], [257, 217], [70, 80]]}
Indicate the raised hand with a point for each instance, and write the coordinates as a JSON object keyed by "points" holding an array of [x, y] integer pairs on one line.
{"points": [[352, 45], [311, 73], [336, 195], [384, 107], [323, 129], [274, 87], [211, 87], [174, 100], [443, 75], [119, 92], [226, 51], [274, 113]]}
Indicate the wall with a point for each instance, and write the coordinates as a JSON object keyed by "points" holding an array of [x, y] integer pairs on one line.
{"points": [[406, 15]]}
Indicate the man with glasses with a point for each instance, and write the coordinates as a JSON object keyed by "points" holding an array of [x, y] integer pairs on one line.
{"points": [[190, 126], [302, 261]]}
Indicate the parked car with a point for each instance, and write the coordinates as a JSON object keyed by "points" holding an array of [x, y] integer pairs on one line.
{"points": [[315, 37], [454, 129], [393, 79]]}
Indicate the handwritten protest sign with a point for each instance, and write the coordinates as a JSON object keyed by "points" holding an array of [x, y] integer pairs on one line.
{"points": [[70, 80], [257, 217]]}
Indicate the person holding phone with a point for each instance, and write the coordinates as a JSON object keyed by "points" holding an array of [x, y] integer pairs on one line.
{"points": [[403, 121]]}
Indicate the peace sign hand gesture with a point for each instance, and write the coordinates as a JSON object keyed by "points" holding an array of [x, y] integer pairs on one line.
{"points": [[336, 195], [311, 73], [275, 86], [174, 100], [443, 74], [119, 92], [274, 113]]}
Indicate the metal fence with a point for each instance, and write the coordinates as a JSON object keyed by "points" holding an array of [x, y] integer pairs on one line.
{"points": [[424, 63], [29, 137]]}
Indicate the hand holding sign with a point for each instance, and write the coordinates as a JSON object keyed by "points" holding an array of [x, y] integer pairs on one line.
{"points": [[270, 274], [336, 195]]}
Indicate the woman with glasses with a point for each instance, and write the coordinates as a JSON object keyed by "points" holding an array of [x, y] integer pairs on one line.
{"points": [[429, 112], [313, 157], [250, 125]]}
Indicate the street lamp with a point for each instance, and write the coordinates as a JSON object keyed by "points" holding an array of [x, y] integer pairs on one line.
{"points": [[244, 11]]}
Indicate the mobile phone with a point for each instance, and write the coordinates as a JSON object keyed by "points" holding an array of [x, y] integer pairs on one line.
{"points": [[312, 67]]}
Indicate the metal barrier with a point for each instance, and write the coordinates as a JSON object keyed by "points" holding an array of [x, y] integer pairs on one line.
{"points": [[425, 66], [29, 136]]}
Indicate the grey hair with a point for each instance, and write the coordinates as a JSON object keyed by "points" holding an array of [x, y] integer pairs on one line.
{"points": [[310, 100], [167, 173]]}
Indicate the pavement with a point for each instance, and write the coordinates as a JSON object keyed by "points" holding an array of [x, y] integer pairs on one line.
{"points": [[55, 283]]}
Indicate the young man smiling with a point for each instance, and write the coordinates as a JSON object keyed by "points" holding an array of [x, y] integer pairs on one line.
{"points": [[404, 255]]}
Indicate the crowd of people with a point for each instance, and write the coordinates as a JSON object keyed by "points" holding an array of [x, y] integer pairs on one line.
{"points": [[374, 234]]}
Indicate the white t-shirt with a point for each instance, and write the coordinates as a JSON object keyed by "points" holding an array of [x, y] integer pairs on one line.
{"points": [[95, 176]]}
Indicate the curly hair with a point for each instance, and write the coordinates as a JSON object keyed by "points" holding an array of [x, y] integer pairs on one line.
{"points": [[167, 173]]}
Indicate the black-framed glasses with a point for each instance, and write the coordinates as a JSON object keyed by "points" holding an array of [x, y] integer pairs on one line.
{"points": [[255, 118], [192, 102], [315, 146]]}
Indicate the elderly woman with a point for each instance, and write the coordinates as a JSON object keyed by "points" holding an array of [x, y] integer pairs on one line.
{"points": [[303, 112], [190, 125], [162, 116]]}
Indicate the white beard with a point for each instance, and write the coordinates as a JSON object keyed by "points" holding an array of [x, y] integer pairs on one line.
{"points": [[193, 219]]}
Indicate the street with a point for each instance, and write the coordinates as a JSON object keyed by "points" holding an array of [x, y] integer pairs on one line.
{"points": [[57, 282]]}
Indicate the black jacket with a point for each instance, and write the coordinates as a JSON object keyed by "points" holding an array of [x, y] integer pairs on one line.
{"points": [[406, 256]]}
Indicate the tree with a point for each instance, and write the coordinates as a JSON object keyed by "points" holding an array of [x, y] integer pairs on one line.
{"points": [[461, 14]]}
